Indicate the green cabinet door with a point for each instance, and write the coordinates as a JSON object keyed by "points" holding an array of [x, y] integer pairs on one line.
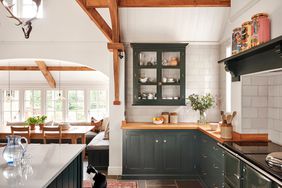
{"points": [[277, 186], [232, 169], [132, 151], [151, 146], [170, 153], [253, 179]]}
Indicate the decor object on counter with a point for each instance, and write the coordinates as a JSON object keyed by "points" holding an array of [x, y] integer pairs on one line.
{"points": [[26, 24], [165, 116], [41, 121], [226, 128], [201, 103], [246, 35], [274, 159], [260, 29], [173, 118], [158, 120], [14, 150], [32, 121], [236, 40], [213, 126]]}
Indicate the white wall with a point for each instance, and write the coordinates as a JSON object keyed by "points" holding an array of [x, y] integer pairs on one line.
{"points": [[202, 76]]}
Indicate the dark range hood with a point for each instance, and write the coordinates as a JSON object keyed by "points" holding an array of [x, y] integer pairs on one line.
{"points": [[265, 57]]}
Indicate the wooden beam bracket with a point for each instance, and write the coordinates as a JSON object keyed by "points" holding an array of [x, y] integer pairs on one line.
{"points": [[43, 68], [118, 46]]}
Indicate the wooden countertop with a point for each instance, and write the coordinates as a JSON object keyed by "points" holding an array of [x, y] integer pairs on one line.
{"points": [[179, 126]]}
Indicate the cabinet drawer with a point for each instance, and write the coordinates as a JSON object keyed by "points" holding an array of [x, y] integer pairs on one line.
{"points": [[252, 178]]}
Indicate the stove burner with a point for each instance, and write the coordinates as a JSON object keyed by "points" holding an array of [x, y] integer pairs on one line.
{"points": [[274, 159]]}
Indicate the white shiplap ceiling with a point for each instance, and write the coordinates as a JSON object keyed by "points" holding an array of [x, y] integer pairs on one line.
{"points": [[64, 20]]}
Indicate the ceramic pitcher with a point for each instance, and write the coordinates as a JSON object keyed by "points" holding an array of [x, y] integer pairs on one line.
{"points": [[14, 150]]}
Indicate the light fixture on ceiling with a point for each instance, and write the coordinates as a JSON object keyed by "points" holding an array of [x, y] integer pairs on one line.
{"points": [[60, 96], [9, 93], [26, 24]]}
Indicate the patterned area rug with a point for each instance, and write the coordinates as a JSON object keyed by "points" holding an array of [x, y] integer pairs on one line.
{"points": [[113, 184], [121, 184]]}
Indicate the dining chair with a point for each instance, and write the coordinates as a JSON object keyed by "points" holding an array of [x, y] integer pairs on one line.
{"points": [[21, 131], [52, 133]]}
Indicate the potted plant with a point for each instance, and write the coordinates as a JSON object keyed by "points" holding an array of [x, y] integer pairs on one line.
{"points": [[201, 103], [41, 121], [32, 121]]}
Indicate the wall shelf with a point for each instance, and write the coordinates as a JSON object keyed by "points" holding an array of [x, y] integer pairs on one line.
{"points": [[265, 57]]}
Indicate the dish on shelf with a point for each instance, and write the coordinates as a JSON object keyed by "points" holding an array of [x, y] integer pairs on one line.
{"points": [[143, 80]]}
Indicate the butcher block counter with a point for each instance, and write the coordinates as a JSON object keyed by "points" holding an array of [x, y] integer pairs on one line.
{"points": [[179, 126]]}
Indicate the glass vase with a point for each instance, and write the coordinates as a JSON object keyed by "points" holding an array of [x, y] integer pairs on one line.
{"points": [[203, 117]]}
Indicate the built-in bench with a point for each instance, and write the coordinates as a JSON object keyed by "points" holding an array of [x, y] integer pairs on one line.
{"points": [[98, 152]]}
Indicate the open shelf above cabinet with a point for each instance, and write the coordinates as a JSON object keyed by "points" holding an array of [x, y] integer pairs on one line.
{"points": [[159, 74], [265, 57]]}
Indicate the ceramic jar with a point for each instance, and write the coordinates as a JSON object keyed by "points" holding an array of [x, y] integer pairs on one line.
{"points": [[260, 29], [236, 40], [165, 115], [173, 118], [246, 35]]}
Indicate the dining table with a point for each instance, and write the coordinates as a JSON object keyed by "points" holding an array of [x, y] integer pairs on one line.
{"points": [[73, 133]]}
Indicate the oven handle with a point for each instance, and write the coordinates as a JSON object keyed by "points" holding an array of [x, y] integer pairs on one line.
{"points": [[250, 164]]}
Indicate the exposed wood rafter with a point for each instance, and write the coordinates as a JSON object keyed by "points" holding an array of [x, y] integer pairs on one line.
{"points": [[48, 76], [117, 46], [161, 3], [49, 68], [97, 19]]}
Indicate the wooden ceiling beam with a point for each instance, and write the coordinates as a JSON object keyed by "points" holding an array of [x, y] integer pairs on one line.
{"points": [[48, 76], [49, 68], [161, 3], [118, 46], [95, 16], [113, 8]]}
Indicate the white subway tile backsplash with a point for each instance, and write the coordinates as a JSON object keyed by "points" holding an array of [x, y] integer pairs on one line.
{"points": [[263, 90], [259, 102], [259, 80], [246, 101], [263, 113], [250, 90], [250, 112]]}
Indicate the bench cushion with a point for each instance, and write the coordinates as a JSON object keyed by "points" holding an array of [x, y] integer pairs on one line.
{"points": [[98, 142]]}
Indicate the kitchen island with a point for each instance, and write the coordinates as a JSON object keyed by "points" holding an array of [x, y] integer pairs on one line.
{"points": [[52, 165]]}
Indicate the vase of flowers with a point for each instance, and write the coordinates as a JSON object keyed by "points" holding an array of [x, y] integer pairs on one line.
{"points": [[201, 103]]}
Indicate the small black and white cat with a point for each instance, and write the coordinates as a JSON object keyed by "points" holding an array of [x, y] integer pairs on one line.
{"points": [[100, 179]]}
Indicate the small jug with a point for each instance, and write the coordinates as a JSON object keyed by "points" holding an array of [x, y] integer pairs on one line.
{"points": [[14, 150]]}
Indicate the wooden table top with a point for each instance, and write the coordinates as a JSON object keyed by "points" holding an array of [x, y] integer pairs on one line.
{"points": [[73, 130]]}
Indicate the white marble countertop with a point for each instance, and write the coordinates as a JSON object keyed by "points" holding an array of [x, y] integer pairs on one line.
{"points": [[47, 162]]}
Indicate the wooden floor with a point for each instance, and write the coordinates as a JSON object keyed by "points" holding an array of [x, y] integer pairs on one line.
{"points": [[152, 183]]}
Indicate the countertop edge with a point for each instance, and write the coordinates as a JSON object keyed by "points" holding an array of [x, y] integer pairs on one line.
{"points": [[65, 166]]}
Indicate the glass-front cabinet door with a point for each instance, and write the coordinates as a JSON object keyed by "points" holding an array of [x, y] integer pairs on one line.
{"points": [[159, 74]]}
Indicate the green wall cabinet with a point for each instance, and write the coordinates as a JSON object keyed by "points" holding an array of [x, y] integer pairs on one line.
{"points": [[159, 153], [159, 74]]}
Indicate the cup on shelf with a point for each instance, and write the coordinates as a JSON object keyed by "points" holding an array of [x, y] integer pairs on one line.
{"points": [[164, 79]]}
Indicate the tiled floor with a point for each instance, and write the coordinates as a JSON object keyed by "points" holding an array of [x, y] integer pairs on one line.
{"points": [[152, 183]]}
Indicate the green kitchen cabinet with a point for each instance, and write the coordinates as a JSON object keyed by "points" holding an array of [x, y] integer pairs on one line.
{"points": [[211, 162], [159, 153], [232, 172], [252, 178], [276, 185], [159, 74]]}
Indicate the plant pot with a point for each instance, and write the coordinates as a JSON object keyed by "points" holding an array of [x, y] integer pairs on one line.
{"points": [[41, 125], [32, 126]]}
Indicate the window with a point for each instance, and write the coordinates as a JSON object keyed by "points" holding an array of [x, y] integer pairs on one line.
{"points": [[26, 9], [11, 108], [76, 105], [32, 103], [228, 82], [54, 106], [98, 104]]}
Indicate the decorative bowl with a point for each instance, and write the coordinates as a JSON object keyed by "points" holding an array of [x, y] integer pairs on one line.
{"points": [[158, 122], [143, 80]]}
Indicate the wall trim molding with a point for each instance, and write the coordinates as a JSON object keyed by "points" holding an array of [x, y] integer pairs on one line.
{"points": [[114, 170]]}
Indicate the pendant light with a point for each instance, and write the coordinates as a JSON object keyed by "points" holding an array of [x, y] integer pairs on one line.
{"points": [[60, 96], [9, 97]]}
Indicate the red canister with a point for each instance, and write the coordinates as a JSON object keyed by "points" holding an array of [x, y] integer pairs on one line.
{"points": [[246, 37], [236, 40], [260, 29]]}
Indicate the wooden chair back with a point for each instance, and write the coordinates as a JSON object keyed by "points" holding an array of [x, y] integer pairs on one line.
{"points": [[21, 131], [52, 133]]}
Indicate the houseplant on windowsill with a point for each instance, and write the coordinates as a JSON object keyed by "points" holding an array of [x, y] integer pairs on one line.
{"points": [[41, 121], [201, 103], [32, 121]]}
